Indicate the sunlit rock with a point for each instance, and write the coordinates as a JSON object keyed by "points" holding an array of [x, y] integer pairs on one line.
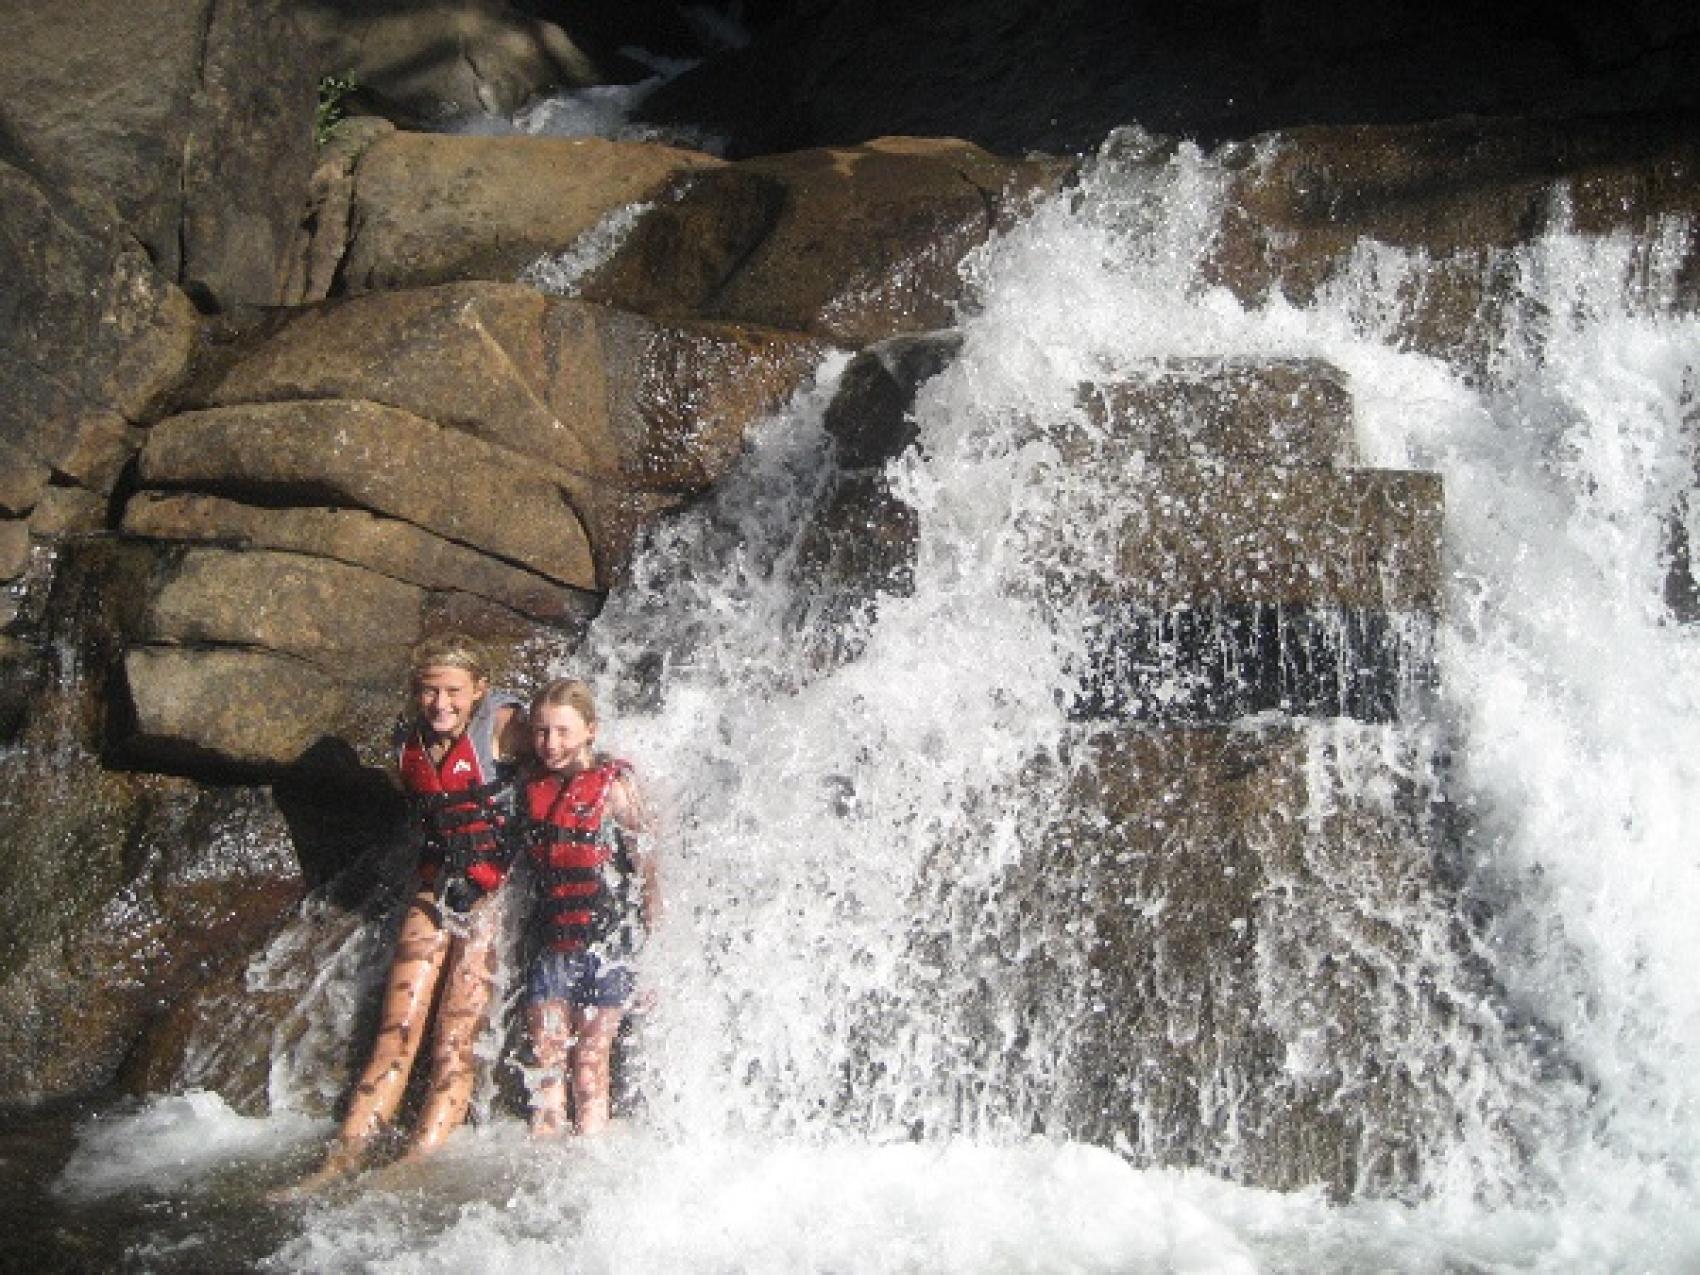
{"points": [[228, 710], [872, 237], [396, 549], [363, 455], [433, 208], [614, 397], [344, 619]]}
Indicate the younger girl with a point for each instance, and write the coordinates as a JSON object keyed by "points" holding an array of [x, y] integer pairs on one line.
{"points": [[456, 754], [598, 895]]}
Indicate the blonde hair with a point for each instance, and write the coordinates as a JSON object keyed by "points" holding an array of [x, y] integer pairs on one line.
{"points": [[570, 691], [448, 650]]}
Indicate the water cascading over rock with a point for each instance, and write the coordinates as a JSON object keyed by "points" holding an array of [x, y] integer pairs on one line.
{"points": [[1224, 930]]}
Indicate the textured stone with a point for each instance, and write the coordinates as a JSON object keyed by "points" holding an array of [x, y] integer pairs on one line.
{"points": [[360, 538], [434, 208], [363, 455], [346, 620], [614, 397], [871, 238], [226, 709], [194, 118], [14, 548], [90, 329], [687, 243], [22, 478], [1203, 532], [1288, 412]]}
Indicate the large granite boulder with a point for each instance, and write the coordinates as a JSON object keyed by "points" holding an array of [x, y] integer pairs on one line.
{"points": [[626, 407], [852, 245], [866, 241], [430, 208], [94, 340], [476, 456], [1277, 961], [351, 453], [194, 119]]}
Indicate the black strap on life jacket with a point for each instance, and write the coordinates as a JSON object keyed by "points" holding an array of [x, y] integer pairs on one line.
{"points": [[583, 904]]}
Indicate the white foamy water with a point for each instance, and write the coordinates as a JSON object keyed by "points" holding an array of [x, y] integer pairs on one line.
{"points": [[862, 1042]]}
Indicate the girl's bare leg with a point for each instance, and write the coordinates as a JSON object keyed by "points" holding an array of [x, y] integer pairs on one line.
{"points": [[594, 1028], [550, 1026], [460, 1018], [413, 977]]}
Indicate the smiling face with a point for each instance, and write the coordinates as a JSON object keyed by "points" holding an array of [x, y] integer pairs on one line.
{"points": [[561, 737], [446, 698]]}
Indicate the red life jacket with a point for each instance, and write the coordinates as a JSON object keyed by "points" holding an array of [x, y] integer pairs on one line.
{"points": [[585, 879], [465, 802]]}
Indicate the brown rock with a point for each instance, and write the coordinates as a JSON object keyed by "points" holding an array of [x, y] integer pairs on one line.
{"points": [[1360, 538], [871, 237], [1288, 412], [68, 511], [630, 413], [686, 244], [14, 548], [359, 538], [90, 330], [322, 240], [1248, 910], [371, 457], [434, 208], [347, 621], [228, 710], [105, 445], [22, 478], [133, 889], [195, 119]]}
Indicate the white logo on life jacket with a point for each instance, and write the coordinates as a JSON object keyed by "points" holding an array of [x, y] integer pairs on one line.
{"points": [[460, 765]]}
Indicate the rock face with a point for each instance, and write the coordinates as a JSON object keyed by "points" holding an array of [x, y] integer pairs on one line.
{"points": [[851, 245], [866, 243], [1250, 1027], [437, 209], [193, 119], [477, 456]]}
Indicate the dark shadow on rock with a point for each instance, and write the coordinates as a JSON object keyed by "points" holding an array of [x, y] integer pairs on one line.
{"points": [[344, 817]]}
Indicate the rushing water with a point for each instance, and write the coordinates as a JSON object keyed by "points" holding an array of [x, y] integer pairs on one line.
{"points": [[866, 1010]]}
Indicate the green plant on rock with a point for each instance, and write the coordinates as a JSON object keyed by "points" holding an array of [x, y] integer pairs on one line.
{"points": [[333, 105]]}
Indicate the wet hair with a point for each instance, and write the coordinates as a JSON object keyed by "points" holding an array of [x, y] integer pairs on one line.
{"points": [[570, 691], [448, 650]]}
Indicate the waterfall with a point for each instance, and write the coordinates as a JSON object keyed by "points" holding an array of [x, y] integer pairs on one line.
{"points": [[877, 977]]}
